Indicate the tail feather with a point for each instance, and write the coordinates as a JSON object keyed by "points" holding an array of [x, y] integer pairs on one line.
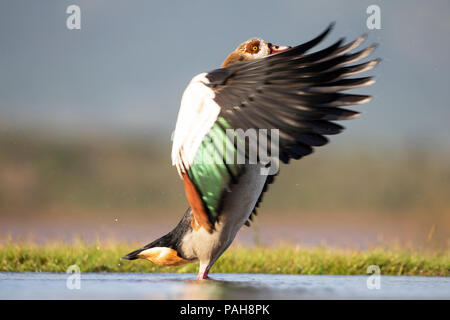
{"points": [[133, 255]]}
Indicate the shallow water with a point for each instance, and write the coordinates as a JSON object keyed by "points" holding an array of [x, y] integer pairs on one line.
{"points": [[224, 286]]}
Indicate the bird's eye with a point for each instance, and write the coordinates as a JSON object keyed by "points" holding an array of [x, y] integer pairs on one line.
{"points": [[255, 48]]}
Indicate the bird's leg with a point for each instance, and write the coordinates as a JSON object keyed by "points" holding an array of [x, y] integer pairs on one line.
{"points": [[203, 271], [203, 275]]}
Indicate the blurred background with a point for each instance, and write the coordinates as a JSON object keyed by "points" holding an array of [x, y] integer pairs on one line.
{"points": [[86, 118]]}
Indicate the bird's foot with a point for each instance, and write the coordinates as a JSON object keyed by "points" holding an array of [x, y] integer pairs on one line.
{"points": [[203, 275]]}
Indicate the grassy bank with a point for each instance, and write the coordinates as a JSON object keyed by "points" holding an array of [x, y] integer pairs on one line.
{"points": [[56, 257]]}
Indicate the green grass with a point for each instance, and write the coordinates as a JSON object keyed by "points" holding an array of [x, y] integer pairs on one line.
{"points": [[286, 259]]}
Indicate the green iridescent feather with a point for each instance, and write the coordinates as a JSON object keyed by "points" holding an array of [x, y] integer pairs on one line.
{"points": [[214, 167]]}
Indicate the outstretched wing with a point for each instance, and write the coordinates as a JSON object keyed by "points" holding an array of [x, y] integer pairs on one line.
{"points": [[296, 92]]}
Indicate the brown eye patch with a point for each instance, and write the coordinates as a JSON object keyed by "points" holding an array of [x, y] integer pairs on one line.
{"points": [[252, 47]]}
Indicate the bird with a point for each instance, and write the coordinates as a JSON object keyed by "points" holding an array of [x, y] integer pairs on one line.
{"points": [[294, 93]]}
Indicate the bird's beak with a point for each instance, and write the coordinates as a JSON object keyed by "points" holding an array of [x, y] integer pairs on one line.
{"points": [[275, 49]]}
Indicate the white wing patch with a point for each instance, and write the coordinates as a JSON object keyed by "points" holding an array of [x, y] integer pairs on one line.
{"points": [[197, 114]]}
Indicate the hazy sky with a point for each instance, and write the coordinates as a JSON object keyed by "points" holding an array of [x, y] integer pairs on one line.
{"points": [[129, 64]]}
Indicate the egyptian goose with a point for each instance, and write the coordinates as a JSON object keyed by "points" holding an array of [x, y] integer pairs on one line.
{"points": [[260, 86]]}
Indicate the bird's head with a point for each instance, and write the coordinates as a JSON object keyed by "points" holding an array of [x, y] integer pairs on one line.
{"points": [[251, 49]]}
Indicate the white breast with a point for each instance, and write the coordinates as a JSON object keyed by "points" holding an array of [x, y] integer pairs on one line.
{"points": [[197, 114]]}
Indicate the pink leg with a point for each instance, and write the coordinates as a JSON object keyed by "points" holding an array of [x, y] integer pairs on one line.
{"points": [[203, 275]]}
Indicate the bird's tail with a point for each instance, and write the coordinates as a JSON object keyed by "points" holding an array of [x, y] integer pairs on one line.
{"points": [[133, 255]]}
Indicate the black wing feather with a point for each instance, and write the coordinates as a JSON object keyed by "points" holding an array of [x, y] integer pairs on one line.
{"points": [[297, 92]]}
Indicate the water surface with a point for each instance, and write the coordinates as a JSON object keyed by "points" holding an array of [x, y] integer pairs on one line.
{"points": [[224, 286]]}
